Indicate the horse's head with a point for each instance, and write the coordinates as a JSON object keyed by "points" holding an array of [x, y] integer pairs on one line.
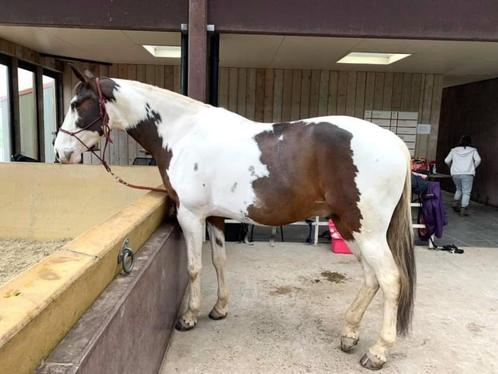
{"points": [[83, 125]]}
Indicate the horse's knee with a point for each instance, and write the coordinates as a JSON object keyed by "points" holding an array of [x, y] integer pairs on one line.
{"points": [[193, 272]]}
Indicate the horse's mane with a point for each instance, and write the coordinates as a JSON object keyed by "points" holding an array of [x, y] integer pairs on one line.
{"points": [[164, 91]]}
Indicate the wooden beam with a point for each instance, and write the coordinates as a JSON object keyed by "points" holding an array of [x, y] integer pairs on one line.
{"points": [[197, 49], [422, 19]]}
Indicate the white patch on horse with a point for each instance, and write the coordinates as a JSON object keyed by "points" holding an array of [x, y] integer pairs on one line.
{"points": [[281, 137], [205, 190], [65, 143]]}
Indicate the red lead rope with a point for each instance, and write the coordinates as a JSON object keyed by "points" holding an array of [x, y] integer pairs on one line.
{"points": [[107, 134]]}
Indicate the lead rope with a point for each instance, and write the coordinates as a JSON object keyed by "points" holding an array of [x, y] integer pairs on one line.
{"points": [[107, 134]]}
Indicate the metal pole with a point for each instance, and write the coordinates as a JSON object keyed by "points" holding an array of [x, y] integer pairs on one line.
{"points": [[184, 60], [214, 64]]}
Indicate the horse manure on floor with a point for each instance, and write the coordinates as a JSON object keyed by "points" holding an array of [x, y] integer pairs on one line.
{"points": [[18, 255], [284, 290], [333, 276]]}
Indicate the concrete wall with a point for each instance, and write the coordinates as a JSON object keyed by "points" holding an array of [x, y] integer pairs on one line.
{"points": [[471, 109], [53, 201]]}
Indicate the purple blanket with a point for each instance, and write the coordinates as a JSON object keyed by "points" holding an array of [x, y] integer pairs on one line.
{"points": [[433, 214]]}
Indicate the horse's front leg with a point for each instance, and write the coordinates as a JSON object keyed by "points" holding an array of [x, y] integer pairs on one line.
{"points": [[217, 236], [192, 227]]}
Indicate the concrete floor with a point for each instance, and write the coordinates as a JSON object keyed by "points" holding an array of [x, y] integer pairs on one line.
{"points": [[286, 316]]}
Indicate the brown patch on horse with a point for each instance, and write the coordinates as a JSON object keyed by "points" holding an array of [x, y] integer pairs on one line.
{"points": [[311, 172], [87, 102], [145, 133]]}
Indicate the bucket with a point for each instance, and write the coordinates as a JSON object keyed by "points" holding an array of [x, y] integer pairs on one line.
{"points": [[338, 245]]}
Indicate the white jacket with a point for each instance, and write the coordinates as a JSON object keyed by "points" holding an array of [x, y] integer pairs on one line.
{"points": [[463, 160]]}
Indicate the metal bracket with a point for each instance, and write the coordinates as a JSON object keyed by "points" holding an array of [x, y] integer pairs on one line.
{"points": [[126, 257], [210, 27]]}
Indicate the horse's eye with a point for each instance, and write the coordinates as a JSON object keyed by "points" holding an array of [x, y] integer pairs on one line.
{"points": [[74, 105]]}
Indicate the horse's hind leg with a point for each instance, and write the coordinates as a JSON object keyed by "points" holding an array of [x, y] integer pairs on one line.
{"points": [[217, 238], [355, 312], [376, 253], [192, 228]]}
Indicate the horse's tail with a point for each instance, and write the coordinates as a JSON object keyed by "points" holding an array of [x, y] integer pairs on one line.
{"points": [[400, 240]]}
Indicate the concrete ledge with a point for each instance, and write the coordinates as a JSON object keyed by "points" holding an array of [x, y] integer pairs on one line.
{"points": [[41, 305], [133, 318], [53, 201]]}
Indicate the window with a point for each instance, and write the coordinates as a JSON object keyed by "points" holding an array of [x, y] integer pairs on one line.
{"points": [[5, 138], [27, 113], [30, 104], [49, 116]]}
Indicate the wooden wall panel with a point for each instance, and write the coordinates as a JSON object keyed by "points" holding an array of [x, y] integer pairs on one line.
{"points": [[323, 93], [274, 95], [278, 90], [259, 110], [287, 95], [268, 97], [251, 93]]}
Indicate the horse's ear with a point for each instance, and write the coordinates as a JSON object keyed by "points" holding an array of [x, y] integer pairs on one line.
{"points": [[88, 75], [78, 74]]}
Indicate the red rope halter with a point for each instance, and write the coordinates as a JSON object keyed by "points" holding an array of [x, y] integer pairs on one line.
{"points": [[107, 134]]}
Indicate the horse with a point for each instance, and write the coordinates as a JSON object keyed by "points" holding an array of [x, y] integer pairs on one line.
{"points": [[218, 165]]}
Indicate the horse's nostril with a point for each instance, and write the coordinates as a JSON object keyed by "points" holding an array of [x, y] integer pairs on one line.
{"points": [[63, 156]]}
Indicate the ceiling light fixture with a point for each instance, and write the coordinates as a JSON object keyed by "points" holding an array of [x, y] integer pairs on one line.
{"points": [[165, 51], [372, 58]]}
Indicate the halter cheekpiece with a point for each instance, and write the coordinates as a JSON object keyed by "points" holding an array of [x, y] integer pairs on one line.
{"points": [[106, 129]]}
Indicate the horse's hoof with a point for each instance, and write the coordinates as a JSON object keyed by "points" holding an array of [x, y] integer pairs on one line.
{"points": [[347, 343], [215, 315], [371, 362], [182, 325]]}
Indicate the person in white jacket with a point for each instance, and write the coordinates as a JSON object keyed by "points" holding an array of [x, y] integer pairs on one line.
{"points": [[463, 161]]}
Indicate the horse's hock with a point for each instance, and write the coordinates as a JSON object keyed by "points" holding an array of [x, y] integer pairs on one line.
{"points": [[84, 206]]}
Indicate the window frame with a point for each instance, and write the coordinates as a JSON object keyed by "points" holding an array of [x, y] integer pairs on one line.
{"points": [[5, 60], [13, 63], [38, 119], [57, 77]]}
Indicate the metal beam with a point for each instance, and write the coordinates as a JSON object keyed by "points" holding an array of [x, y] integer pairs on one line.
{"points": [[406, 19], [197, 49], [40, 118], [184, 61], [14, 109], [214, 66]]}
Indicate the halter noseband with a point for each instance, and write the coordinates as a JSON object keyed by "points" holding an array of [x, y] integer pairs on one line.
{"points": [[106, 129]]}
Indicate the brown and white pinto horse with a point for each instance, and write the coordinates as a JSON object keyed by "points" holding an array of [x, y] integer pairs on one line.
{"points": [[216, 164]]}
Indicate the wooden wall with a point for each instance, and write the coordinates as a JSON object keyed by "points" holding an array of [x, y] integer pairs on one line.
{"points": [[272, 95], [471, 109]]}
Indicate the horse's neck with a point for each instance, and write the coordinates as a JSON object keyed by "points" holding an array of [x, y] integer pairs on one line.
{"points": [[136, 104]]}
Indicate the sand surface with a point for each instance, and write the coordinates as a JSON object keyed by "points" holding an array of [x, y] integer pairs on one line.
{"points": [[18, 255]]}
